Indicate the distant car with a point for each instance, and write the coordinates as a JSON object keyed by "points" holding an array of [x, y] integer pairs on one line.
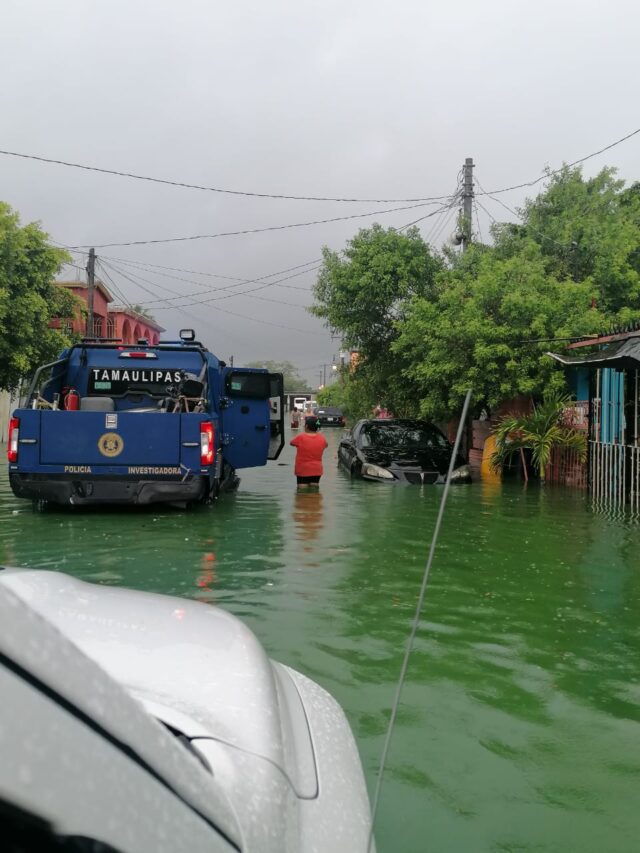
{"points": [[330, 416], [400, 450]]}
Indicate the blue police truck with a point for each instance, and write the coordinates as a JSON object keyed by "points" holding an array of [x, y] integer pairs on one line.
{"points": [[140, 424]]}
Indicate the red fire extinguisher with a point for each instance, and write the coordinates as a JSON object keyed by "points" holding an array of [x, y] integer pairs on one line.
{"points": [[71, 400]]}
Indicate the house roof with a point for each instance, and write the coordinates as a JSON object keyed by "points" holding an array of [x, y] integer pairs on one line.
{"points": [[137, 316], [82, 285], [621, 355]]}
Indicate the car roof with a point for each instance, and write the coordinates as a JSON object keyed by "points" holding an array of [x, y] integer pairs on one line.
{"points": [[408, 422]]}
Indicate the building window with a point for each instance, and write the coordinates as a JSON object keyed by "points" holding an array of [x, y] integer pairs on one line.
{"points": [[111, 327]]}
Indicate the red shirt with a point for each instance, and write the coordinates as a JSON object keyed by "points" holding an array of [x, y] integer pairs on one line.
{"points": [[309, 449]]}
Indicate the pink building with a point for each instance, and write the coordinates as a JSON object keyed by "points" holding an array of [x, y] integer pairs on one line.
{"points": [[109, 321]]}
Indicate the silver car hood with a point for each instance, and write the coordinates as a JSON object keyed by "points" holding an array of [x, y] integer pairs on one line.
{"points": [[198, 668], [274, 737]]}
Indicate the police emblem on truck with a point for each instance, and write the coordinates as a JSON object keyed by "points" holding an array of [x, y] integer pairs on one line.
{"points": [[110, 444]]}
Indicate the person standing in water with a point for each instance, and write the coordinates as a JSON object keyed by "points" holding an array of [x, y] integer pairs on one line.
{"points": [[295, 418], [309, 445]]}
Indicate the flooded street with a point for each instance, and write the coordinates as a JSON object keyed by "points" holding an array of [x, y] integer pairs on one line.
{"points": [[519, 727]]}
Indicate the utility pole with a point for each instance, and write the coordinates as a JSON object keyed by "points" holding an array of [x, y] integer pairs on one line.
{"points": [[324, 374], [467, 203], [91, 280]]}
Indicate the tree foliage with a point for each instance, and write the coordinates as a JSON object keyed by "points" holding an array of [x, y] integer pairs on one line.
{"points": [[429, 327], [488, 329], [29, 299], [292, 380], [362, 292]]}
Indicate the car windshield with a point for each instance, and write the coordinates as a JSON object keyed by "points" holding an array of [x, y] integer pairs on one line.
{"points": [[403, 435]]}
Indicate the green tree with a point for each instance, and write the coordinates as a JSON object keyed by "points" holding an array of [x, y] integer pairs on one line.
{"points": [[332, 395], [484, 327], [587, 230], [363, 290], [364, 293], [29, 299], [292, 380], [428, 328]]}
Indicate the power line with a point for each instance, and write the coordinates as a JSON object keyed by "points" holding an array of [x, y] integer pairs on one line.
{"points": [[255, 230], [271, 284], [185, 185], [240, 281], [522, 219], [216, 308], [442, 229], [178, 295], [149, 267], [188, 186], [127, 262], [551, 172], [267, 323], [475, 208], [490, 215], [415, 623], [113, 285]]}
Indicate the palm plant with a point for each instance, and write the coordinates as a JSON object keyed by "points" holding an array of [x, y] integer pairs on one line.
{"points": [[540, 431]]}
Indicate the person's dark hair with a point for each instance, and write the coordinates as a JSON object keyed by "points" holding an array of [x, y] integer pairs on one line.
{"points": [[312, 424]]}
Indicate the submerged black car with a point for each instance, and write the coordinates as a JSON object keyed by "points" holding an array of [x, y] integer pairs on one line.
{"points": [[329, 416], [399, 450]]}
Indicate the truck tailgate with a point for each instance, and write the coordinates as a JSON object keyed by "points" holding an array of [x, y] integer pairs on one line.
{"points": [[91, 438]]}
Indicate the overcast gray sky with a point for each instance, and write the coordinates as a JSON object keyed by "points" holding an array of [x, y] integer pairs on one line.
{"points": [[361, 99]]}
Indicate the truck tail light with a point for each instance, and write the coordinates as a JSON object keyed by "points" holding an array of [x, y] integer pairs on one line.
{"points": [[207, 449], [14, 431]]}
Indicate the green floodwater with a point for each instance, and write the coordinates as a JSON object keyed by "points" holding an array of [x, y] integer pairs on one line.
{"points": [[519, 723]]}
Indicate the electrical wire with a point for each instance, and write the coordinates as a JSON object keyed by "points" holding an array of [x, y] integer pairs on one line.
{"points": [[489, 214], [245, 231], [416, 619], [142, 264], [551, 172], [521, 218], [442, 228], [149, 267], [475, 209], [240, 282], [240, 293], [268, 323], [216, 308], [207, 290], [114, 287], [178, 295], [270, 284], [185, 185]]}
